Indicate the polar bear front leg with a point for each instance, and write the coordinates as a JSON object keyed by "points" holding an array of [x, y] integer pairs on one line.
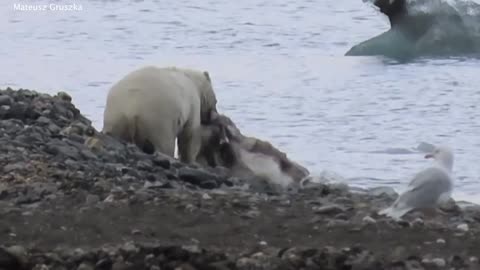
{"points": [[189, 142]]}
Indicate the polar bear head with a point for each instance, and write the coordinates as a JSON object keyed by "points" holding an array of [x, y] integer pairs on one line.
{"points": [[208, 99]]}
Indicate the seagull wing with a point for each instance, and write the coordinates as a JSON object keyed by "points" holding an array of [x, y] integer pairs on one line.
{"points": [[424, 190]]}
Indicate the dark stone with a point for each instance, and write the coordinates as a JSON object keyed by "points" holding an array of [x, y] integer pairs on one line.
{"points": [[104, 264], [57, 147], [9, 260], [76, 138], [145, 165], [5, 100], [176, 253], [14, 167], [198, 177], [87, 154], [208, 184], [161, 161], [44, 120], [28, 198], [22, 112], [53, 128], [64, 96], [458, 263], [329, 209]]}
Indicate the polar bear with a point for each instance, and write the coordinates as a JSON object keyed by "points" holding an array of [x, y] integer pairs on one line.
{"points": [[155, 106]]}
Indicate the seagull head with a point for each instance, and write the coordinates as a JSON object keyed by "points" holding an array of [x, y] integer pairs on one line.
{"points": [[442, 155]]}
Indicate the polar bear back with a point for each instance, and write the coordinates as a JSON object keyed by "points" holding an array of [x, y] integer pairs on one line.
{"points": [[155, 92]]}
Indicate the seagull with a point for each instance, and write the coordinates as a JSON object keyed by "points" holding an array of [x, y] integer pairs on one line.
{"points": [[428, 187]]}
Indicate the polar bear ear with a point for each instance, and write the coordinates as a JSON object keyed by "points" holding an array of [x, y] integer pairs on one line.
{"points": [[207, 76]]}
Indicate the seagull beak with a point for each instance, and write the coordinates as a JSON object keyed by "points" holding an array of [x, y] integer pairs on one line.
{"points": [[429, 156]]}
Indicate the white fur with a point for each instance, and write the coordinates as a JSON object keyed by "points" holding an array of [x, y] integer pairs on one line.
{"points": [[160, 105]]}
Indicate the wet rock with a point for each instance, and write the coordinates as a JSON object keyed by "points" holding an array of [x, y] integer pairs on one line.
{"points": [[413, 264], [64, 96], [10, 260], [61, 149], [403, 223], [110, 198], [5, 100], [457, 262], [85, 266], [319, 188], [198, 177], [145, 165], [87, 154], [185, 266], [383, 191], [463, 227], [329, 209], [28, 198], [369, 220], [44, 120], [222, 265], [252, 214], [162, 160], [21, 111], [136, 232], [155, 184], [293, 257], [441, 241], [362, 260], [129, 247], [256, 261], [176, 253], [339, 188], [418, 222], [439, 262], [92, 199], [120, 265], [41, 267], [14, 167], [337, 223]]}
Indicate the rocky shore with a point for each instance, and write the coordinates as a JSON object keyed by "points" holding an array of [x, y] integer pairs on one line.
{"points": [[72, 198]]}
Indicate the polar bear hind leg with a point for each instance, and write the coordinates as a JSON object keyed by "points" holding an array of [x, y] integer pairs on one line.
{"points": [[189, 142], [163, 142]]}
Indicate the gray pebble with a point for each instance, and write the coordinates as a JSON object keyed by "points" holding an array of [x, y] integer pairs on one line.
{"points": [[439, 262], [92, 199], [441, 241], [328, 209], [85, 266], [463, 227], [369, 220], [198, 177]]}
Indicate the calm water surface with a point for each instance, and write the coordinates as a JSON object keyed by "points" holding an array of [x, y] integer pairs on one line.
{"points": [[278, 70]]}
